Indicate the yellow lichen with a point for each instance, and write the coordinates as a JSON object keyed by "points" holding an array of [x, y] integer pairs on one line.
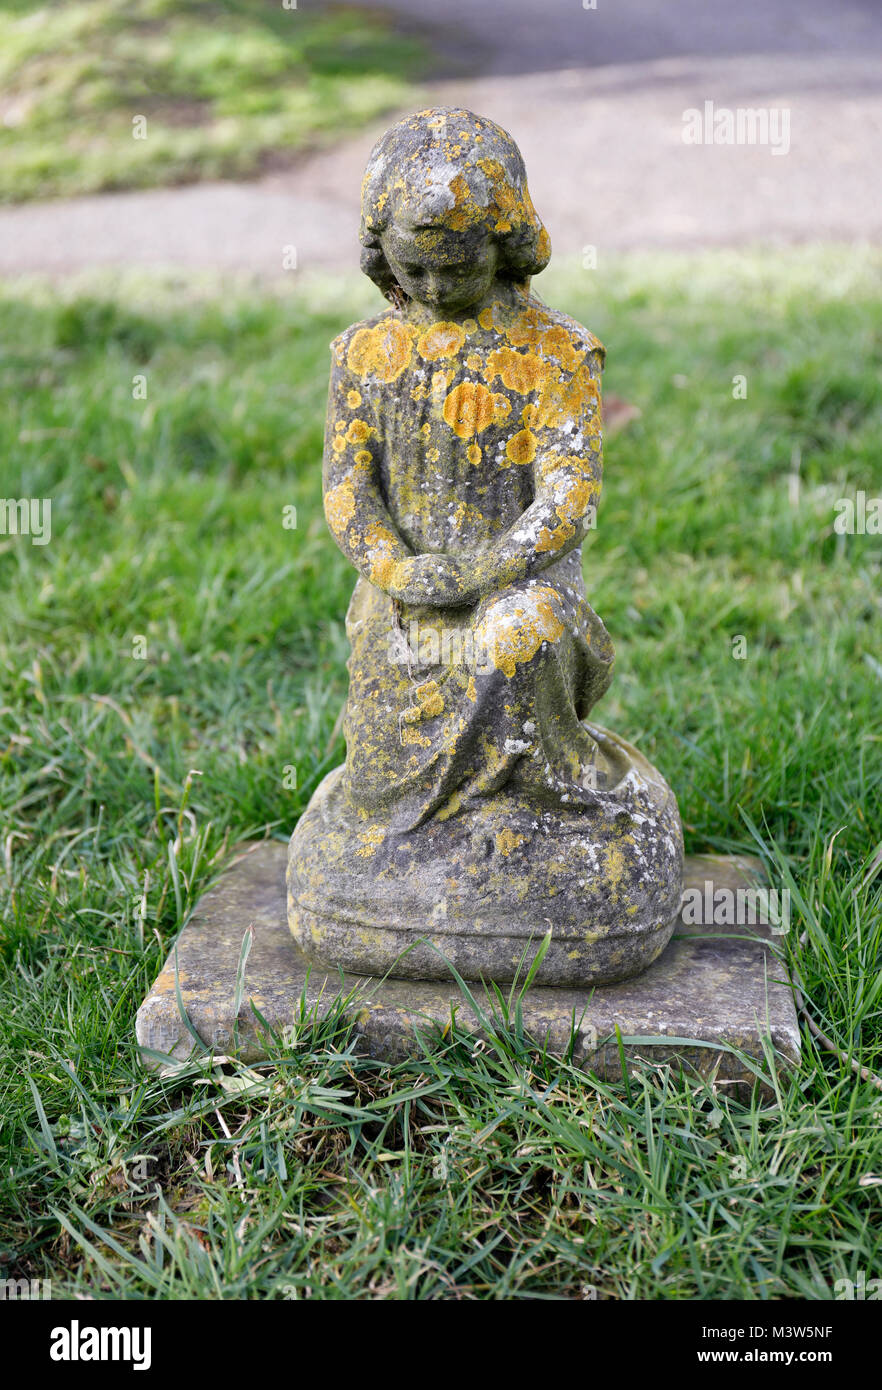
{"points": [[429, 699], [358, 431], [468, 409], [441, 340], [520, 371], [507, 840], [561, 402], [340, 506], [382, 351], [613, 865], [521, 448], [382, 547], [370, 839], [511, 637]]}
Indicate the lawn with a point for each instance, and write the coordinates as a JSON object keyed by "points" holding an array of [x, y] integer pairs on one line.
{"points": [[176, 647], [101, 94]]}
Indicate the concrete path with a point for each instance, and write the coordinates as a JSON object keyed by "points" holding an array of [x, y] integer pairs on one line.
{"points": [[600, 123]]}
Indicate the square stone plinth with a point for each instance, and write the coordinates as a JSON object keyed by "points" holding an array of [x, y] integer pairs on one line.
{"points": [[714, 997]]}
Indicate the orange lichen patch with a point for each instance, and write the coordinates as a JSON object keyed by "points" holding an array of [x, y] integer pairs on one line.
{"points": [[382, 351], [507, 840], [339, 444], [557, 342], [473, 362], [340, 506], [531, 328], [521, 448], [468, 409], [364, 456], [520, 371], [382, 548], [471, 692], [504, 202], [359, 431], [441, 340], [474, 454], [561, 401], [577, 465], [554, 540], [459, 188], [501, 408], [577, 499], [525, 330], [353, 399], [469, 325], [513, 634], [491, 317]]}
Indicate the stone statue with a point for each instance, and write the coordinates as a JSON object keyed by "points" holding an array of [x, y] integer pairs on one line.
{"points": [[478, 808]]}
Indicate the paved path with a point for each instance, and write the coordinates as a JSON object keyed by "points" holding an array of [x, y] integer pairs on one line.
{"points": [[517, 36], [600, 124]]}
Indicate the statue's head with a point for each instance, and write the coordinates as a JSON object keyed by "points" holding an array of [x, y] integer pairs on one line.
{"points": [[445, 211]]}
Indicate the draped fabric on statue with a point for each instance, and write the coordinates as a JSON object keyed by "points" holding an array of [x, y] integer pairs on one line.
{"points": [[458, 428]]}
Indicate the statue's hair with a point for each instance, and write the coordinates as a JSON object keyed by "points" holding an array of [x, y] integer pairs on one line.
{"points": [[448, 167]]}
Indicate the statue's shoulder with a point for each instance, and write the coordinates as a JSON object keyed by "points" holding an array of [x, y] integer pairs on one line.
{"points": [[554, 322], [341, 344]]}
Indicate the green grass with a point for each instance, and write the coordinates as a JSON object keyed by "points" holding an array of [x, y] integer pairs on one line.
{"points": [[474, 1172], [222, 85]]}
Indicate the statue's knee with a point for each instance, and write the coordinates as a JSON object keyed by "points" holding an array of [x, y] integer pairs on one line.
{"points": [[518, 624]]}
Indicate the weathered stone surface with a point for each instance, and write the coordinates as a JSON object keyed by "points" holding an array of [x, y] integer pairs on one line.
{"points": [[462, 471], [714, 988], [484, 888]]}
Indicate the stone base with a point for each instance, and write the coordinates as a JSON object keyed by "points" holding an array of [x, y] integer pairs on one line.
{"points": [[479, 890], [713, 989]]}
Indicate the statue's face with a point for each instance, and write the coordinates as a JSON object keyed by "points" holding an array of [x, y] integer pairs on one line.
{"points": [[444, 271]]}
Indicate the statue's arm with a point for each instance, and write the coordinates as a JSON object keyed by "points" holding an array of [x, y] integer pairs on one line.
{"points": [[354, 505], [567, 474], [357, 513]]}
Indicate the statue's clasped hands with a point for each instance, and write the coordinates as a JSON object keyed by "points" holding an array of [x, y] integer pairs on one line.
{"points": [[434, 581]]}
